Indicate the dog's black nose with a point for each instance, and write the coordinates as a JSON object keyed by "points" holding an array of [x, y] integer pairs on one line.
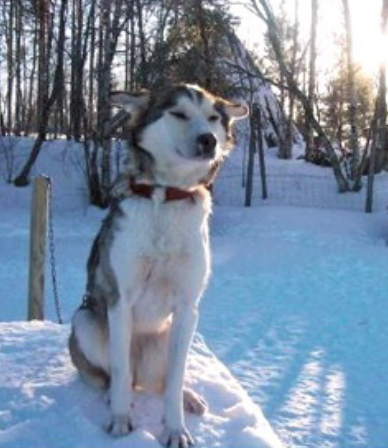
{"points": [[206, 145]]}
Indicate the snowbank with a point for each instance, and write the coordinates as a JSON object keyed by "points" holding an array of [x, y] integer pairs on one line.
{"points": [[44, 404]]}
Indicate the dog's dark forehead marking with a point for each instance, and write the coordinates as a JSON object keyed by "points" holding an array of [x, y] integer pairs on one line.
{"points": [[196, 95], [160, 101], [192, 93]]}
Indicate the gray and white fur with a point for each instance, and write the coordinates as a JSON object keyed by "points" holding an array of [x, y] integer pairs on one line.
{"points": [[150, 261]]}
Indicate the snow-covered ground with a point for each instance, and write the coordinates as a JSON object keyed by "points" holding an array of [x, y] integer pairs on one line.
{"points": [[44, 404], [300, 296], [296, 310]]}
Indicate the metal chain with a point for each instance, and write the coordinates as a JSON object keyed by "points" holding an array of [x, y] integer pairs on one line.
{"points": [[53, 262]]}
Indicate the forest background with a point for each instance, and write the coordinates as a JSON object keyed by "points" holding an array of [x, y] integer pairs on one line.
{"points": [[60, 59]]}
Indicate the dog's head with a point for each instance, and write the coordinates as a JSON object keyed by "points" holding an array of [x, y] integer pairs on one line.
{"points": [[185, 130]]}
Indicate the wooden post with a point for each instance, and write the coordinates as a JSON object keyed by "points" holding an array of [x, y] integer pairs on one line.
{"points": [[263, 173], [251, 155], [38, 233]]}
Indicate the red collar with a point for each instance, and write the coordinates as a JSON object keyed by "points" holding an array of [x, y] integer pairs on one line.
{"points": [[171, 193]]}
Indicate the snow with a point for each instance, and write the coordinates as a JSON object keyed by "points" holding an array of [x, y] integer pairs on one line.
{"points": [[306, 292], [293, 327], [43, 402]]}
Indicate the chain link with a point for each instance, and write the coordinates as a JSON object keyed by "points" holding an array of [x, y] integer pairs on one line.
{"points": [[53, 261]]}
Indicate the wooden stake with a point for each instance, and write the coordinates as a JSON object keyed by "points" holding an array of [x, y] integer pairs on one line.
{"points": [[38, 233], [260, 147], [250, 167]]}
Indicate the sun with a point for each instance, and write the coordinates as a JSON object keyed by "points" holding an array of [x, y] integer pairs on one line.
{"points": [[369, 47]]}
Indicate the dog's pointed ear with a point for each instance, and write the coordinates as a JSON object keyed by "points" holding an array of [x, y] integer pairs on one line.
{"points": [[236, 110], [132, 103]]}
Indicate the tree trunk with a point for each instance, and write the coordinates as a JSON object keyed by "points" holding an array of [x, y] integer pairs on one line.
{"points": [[76, 103], [43, 57], [286, 152], [312, 72], [103, 109], [382, 155], [23, 178], [201, 20], [132, 59], [352, 97], [31, 90], [251, 164], [10, 65], [342, 183], [260, 148], [91, 84], [378, 152], [142, 46], [113, 20], [18, 67]]}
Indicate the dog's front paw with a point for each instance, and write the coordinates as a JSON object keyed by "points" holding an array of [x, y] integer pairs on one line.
{"points": [[176, 438], [119, 425]]}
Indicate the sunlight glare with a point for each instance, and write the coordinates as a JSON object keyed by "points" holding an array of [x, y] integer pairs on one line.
{"points": [[368, 48]]}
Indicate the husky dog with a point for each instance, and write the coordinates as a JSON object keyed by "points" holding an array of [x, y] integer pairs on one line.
{"points": [[150, 261]]}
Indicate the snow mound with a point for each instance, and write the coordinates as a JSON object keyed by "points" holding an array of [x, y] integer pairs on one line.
{"points": [[43, 403]]}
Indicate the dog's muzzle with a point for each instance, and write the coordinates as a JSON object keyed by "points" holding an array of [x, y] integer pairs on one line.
{"points": [[206, 145]]}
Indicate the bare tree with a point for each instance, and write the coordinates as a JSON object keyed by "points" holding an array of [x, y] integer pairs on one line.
{"points": [[19, 118], [381, 101], [353, 100], [10, 63], [312, 71], [45, 102], [78, 57], [378, 152], [205, 44], [265, 13], [285, 152], [113, 19]]}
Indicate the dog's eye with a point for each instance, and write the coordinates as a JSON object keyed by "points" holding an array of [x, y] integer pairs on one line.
{"points": [[213, 118], [179, 115]]}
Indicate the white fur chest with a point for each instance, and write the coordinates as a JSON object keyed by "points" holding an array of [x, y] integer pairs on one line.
{"points": [[160, 257]]}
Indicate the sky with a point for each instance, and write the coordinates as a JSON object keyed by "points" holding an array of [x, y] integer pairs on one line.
{"points": [[368, 47]]}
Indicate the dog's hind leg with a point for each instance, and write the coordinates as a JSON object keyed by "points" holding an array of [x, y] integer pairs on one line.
{"points": [[88, 349], [193, 403]]}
